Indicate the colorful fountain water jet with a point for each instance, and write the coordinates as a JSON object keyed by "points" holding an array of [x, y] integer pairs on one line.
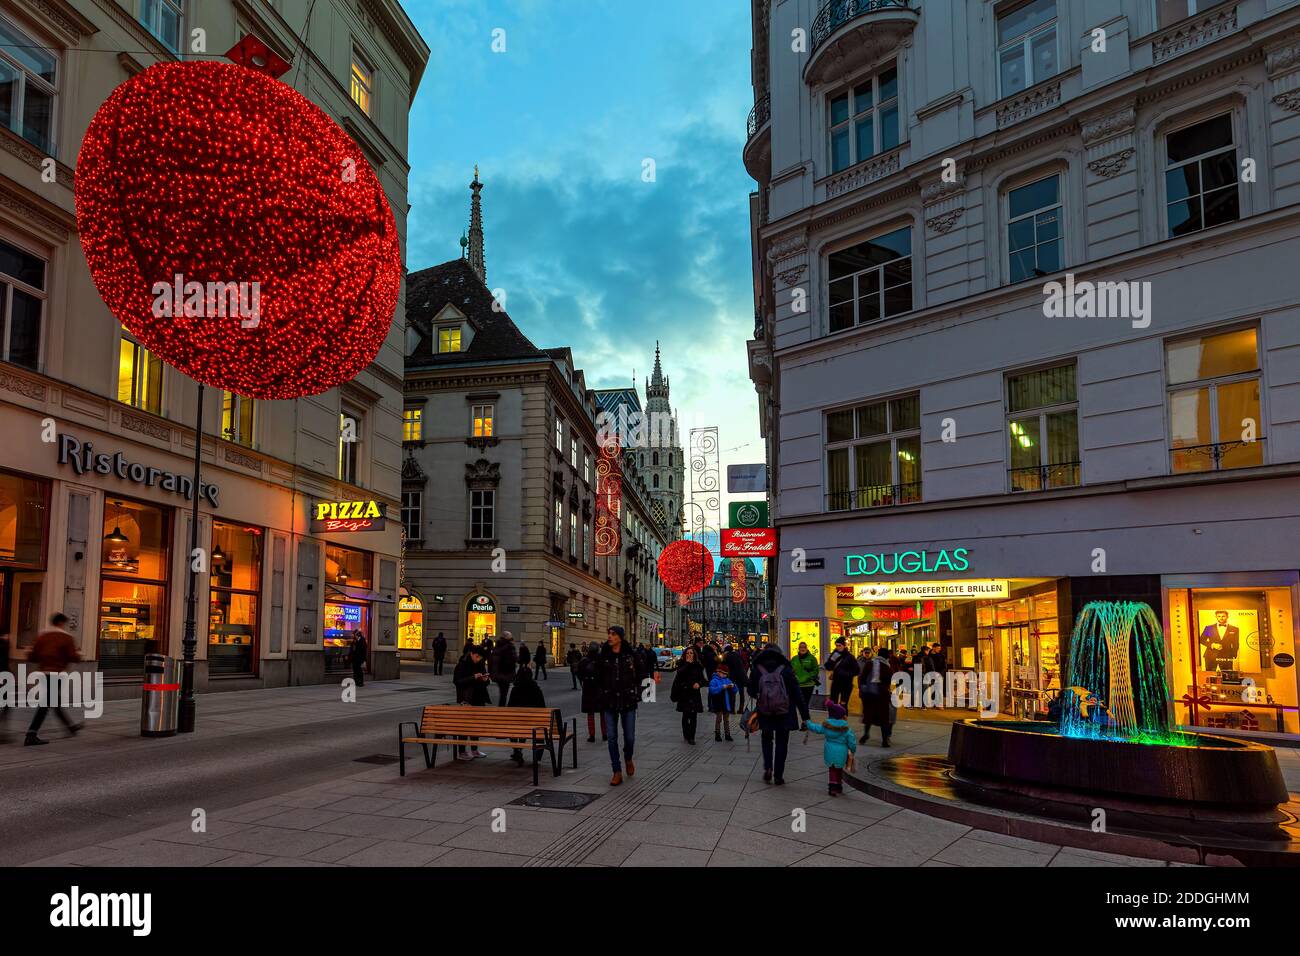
{"points": [[1117, 675]]}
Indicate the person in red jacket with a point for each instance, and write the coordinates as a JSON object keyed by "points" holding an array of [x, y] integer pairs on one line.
{"points": [[52, 652]]}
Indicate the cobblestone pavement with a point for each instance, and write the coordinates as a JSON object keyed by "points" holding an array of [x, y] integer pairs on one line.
{"points": [[279, 778]]}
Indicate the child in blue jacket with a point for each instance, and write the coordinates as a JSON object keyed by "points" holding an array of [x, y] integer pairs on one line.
{"points": [[721, 689], [839, 743]]}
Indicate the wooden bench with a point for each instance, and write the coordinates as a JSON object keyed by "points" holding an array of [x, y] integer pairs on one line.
{"points": [[458, 725]]}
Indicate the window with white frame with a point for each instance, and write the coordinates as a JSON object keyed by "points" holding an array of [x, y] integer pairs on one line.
{"points": [[559, 434], [363, 81], [482, 514], [863, 120], [483, 421], [573, 533], [1043, 429], [873, 454], [1201, 176], [28, 87], [237, 418], [559, 523], [575, 447], [871, 281], [1169, 12], [586, 467], [164, 19], [350, 424], [1034, 239], [1026, 46], [586, 542], [449, 339], [1214, 401], [22, 299], [412, 424], [139, 377], [412, 514]]}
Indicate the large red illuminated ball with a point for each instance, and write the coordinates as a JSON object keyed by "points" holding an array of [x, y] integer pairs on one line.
{"points": [[686, 566], [220, 174]]}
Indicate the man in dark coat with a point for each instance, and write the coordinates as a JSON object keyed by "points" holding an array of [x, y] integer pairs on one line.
{"points": [[875, 691], [539, 660], [525, 692], [439, 652], [573, 659], [843, 668], [471, 680], [619, 673], [709, 658], [735, 662], [589, 677], [524, 656], [776, 718], [358, 656], [504, 663]]}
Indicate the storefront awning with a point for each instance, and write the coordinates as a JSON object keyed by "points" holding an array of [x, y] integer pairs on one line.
{"points": [[358, 594]]}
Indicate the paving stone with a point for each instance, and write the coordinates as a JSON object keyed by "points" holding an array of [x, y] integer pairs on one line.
{"points": [[969, 852], [383, 828], [460, 857], [300, 819], [525, 843], [389, 853], [678, 835], [274, 841], [649, 854]]}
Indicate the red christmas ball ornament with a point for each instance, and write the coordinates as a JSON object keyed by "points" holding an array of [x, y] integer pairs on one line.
{"points": [[686, 566], [236, 231]]}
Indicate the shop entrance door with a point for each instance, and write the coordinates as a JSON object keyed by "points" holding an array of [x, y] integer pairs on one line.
{"points": [[24, 608]]}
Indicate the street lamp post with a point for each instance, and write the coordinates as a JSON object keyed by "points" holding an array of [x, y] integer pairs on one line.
{"points": [[185, 719]]}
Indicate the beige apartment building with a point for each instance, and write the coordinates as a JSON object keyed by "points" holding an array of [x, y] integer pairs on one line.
{"points": [[109, 545]]}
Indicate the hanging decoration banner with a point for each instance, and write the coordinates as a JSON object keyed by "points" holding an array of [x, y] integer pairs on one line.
{"points": [[738, 581], [609, 496]]}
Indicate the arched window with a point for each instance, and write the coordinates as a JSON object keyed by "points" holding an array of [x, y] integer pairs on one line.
{"points": [[655, 459], [670, 481], [656, 481]]}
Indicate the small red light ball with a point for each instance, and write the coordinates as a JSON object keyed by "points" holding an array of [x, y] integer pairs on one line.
{"points": [[686, 566]]}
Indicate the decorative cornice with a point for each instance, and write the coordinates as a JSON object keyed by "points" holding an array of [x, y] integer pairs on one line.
{"points": [[135, 423], [1290, 100], [22, 386], [1031, 102], [55, 221], [482, 442], [1102, 126], [239, 458], [1193, 33], [791, 277], [411, 470], [944, 222], [483, 474], [932, 192], [788, 246], [1111, 165], [1283, 58], [878, 167], [61, 16]]}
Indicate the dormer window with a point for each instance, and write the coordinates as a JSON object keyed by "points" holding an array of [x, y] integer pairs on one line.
{"points": [[449, 339]]}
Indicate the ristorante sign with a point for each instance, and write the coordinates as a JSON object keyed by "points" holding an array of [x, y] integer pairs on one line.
{"points": [[907, 562], [84, 460], [347, 516]]}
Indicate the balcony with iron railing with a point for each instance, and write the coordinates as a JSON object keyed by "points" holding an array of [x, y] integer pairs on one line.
{"points": [[1064, 474], [873, 496], [848, 34], [1219, 456], [757, 154]]}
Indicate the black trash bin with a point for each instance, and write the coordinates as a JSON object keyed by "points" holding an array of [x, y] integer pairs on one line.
{"points": [[161, 698]]}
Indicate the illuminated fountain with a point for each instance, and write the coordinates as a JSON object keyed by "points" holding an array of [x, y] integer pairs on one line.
{"points": [[1115, 737]]}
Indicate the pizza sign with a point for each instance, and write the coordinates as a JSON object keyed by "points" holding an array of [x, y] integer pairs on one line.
{"points": [[327, 516]]}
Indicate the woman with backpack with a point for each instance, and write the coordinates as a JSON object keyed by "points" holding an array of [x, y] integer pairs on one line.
{"points": [[686, 692], [590, 681], [780, 708]]}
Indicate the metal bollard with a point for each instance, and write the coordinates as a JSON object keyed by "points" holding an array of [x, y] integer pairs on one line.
{"points": [[161, 696]]}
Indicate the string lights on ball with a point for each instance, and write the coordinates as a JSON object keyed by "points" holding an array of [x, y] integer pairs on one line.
{"points": [[686, 567], [217, 173]]}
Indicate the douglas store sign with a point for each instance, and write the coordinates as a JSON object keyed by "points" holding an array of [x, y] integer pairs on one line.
{"points": [[907, 562]]}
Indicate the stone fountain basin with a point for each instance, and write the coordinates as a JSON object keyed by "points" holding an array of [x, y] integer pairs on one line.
{"points": [[1213, 771]]}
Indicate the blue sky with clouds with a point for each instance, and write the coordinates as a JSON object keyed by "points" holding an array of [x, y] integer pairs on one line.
{"points": [[590, 255]]}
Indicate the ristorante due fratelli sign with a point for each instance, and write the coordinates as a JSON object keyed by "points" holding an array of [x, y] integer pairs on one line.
{"points": [[334, 516]]}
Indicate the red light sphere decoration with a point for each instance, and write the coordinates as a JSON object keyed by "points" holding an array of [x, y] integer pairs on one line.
{"points": [[686, 567], [258, 213]]}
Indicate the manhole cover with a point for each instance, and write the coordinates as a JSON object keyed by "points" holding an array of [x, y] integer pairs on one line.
{"points": [[377, 758], [555, 799]]}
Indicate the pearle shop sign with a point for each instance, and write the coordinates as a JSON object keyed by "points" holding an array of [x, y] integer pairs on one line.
{"points": [[84, 460], [907, 562]]}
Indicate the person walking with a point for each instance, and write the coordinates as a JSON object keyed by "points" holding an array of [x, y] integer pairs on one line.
{"points": [[939, 659], [874, 690], [505, 661], [525, 692], [839, 743], [737, 668], [780, 706], [439, 652], [722, 690], [5, 674], [589, 678], [573, 659], [360, 649], [685, 692], [807, 673], [708, 658], [539, 660], [524, 656], [620, 673], [470, 678], [52, 652], [842, 667]]}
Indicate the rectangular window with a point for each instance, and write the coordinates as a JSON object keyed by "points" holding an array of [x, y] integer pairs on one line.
{"points": [[871, 281], [586, 467], [412, 514], [235, 579], [237, 419], [483, 421], [1043, 429], [412, 424], [559, 523], [22, 305], [1214, 402], [449, 340], [139, 377], [349, 446], [163, 18], [1201, 176], [873, 454], [559, 434], [573, 533], [134, 562], [363, 82], [586, 542], [1034, 237], [1027, 46], [863, 121], [28, 85], [1169, 12], [574, 448], [482, 514]]}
